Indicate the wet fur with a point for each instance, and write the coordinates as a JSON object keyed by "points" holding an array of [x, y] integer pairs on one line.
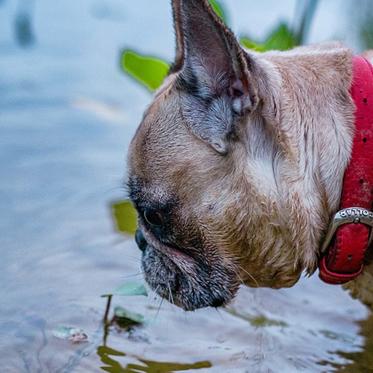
{"points": [[245, 161]]}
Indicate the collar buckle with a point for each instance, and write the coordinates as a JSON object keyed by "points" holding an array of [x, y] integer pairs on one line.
{"points": [[351, 215], [354, 215]]}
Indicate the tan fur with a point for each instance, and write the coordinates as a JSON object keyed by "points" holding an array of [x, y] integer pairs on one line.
{"points": [[261, 208]]}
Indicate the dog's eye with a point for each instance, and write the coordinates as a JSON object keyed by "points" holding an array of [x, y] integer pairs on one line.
{"points": [[154, 218]]}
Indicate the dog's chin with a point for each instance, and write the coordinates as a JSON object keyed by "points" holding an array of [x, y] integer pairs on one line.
{"points": [[187, 281]]}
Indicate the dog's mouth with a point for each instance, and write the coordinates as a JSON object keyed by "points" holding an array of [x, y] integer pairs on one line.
{"points": [[188, 280]]}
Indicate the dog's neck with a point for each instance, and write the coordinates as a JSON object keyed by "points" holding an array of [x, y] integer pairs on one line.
{"points": [[314, 121]]}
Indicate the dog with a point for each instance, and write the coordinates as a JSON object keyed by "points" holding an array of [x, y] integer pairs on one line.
{"points": [[238, 164]]}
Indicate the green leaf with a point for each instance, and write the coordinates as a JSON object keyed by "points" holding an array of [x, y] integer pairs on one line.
{"points": [[249, 44], [74, 335], [280, 39], [125, 217], [218, 9], [62, 333], [122, 313], [131, 288], [147, 70]]}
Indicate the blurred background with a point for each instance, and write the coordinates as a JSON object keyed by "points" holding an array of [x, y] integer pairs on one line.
{"points": [[68, 110]]}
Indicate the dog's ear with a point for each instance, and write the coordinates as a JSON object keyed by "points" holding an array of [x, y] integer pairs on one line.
{"points": [[179, 33], [214, 76]]}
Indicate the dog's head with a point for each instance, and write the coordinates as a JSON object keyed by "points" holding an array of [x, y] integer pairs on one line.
{"points": [[206, 168]]}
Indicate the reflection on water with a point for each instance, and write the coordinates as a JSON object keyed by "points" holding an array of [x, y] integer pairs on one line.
{"points": [[23, 23], [360, 361], [23, 28], [113, 366], [67, 114]]}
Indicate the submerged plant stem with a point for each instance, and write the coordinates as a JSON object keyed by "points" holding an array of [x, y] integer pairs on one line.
{"points": [[107, 308]]}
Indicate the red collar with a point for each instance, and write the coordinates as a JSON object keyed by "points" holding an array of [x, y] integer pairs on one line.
{"points": [[347, 240]]}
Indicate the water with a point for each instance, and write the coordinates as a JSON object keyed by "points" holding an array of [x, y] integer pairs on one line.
{"points": [[67, 114]]}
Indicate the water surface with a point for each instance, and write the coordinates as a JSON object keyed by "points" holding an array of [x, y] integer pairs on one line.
{"points": [[67, 114]]}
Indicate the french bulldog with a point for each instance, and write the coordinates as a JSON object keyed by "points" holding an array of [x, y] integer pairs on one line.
{"points": [[237, 166]]}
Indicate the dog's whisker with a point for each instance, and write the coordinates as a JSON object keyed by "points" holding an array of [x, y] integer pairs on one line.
{"points": [[134, 275], [134, 258], [156, 291], [236, 272], [116, 188], [219, 313], [171, 298], [250, 275], [159, 308]]}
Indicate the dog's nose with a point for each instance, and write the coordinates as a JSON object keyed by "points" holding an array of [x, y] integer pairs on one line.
{"points": [[140, 240], [217, 302]]}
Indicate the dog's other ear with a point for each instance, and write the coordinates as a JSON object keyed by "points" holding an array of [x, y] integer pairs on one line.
{"points": [[214, 76]]}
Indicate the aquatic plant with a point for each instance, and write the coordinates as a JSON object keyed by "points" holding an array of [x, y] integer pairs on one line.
{"points": [[122, 316]]}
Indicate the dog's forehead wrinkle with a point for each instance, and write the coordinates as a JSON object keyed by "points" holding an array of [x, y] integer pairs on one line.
{"points": [[151, 195], [160, 133], [157, 194]]}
